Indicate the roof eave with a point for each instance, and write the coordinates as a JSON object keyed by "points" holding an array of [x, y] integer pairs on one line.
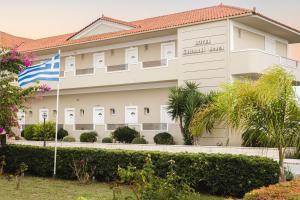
{"points": [[139, 33]]}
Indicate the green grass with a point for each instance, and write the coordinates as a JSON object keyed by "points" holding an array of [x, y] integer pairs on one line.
{"points": [[33, 188]]}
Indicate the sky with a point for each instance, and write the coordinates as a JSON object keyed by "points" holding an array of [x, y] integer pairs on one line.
{"points": [[43, 18]]}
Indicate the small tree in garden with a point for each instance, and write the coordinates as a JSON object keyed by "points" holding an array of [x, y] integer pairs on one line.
{"points": [[266, 108], [183, 102], [12, 97]]}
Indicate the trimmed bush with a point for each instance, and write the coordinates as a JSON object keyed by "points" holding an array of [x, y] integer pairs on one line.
{"points": [[69, 138], [36, 131], [285, 190], [29, 132], [139, 140], [220, 174], [88, 137], [125, 134], [163, 138], [47, 131], [107, 140], [61, 133]]}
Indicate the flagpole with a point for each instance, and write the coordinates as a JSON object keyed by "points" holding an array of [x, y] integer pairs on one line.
{"points": [[56, 127]]}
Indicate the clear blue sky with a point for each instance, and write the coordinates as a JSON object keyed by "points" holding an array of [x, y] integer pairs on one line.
{"points": [[42, 18]]}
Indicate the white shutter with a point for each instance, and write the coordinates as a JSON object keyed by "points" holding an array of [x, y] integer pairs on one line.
{"points": [[69, 116], [131, 115], [168, 50], [99, 60], [70, 63], [165, 117], [98, 115], [21, 118], [131, 56], [270, 45]]}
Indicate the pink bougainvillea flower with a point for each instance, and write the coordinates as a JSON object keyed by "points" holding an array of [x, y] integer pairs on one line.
{"points": [[13, 54], [27, 60], [44, 88], [1, 130], [81, 162]]}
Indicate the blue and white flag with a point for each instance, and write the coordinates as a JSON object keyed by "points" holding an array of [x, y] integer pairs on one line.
{"points": [[47, 71]]}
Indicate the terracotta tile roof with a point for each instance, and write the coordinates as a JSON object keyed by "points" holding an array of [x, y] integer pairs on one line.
{"points": [[11, 41], [141, 26]]}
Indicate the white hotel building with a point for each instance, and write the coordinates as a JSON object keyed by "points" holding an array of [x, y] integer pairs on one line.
{"points": [[116, 73]]}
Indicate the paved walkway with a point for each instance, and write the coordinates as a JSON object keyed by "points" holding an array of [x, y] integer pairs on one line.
{"points": [[291, 164]]}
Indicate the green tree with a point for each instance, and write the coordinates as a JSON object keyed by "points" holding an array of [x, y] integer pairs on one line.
{"points": [[183, 102], [267, 109], [12, 97]]}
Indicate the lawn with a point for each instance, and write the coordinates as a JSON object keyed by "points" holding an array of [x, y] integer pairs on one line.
{"points": [[33, 188]]}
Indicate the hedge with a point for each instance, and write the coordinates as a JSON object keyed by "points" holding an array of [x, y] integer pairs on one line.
{"points": [[221, 174]]}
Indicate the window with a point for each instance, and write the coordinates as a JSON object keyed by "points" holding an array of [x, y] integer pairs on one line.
{"points": [[70, 116], [70, 63], [131, 55], [99, 60], [43, 113], [98, 115], [270, 45], [131, 115], [146, 111], [168, 51], [112, 111]]}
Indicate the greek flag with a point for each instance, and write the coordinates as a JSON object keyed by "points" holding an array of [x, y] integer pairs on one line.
{"points": [[47, 71]]}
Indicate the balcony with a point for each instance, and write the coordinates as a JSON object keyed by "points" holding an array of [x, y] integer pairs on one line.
{"points": [[116, 68], [253, 61], [153, 71]]}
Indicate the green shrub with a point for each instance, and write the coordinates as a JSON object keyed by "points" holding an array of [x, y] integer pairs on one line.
{"points": [[221, 174], [29, 132], [139, 140], [88, 137], [47, 131], [125, 134], [61, 133], [38, 131], [69, 139], [163, 138], [107, 140]]}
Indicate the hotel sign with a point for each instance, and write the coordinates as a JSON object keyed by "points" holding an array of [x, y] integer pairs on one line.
{"points": [[203, 47]]}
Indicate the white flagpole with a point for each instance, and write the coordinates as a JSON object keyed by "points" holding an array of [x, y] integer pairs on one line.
{"points": [[56, 128]]}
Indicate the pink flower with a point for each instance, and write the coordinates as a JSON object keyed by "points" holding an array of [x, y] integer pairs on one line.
{"points": [[27, 60], [1, 130], [81, 162], [44, 88], [13, 54]]}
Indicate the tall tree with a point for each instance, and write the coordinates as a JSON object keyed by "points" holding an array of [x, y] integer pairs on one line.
{"points": [[266, 108], [12, 97], [183, 103]]}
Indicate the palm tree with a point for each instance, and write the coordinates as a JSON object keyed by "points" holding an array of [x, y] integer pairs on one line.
{"points": [[182, 105], [267, 109]]}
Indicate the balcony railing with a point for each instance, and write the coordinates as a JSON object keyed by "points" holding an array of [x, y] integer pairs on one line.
{"points": [[155, 126], [85, 71], [111, 127], [287, 62], [154, 63], [116, 68]]}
